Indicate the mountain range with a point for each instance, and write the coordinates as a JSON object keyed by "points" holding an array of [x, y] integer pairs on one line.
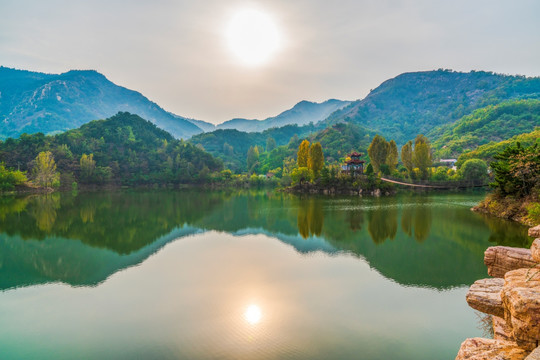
{"points": [[33, 102]]}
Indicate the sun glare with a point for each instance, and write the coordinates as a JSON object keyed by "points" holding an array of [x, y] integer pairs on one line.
{"points": [[253, 37], [253, 314]]}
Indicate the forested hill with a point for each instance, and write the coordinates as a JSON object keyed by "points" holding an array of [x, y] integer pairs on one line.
{"points": [[418, 102], [124, 149], [303, 113], [32, 102], [493, 123]]}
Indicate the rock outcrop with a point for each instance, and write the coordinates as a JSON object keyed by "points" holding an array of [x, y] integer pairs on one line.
{"points": [[490, 349], [501, 259], [535, 250], [521, 300], [501, 331], [534, 232], [513, 302], [485, 296]]}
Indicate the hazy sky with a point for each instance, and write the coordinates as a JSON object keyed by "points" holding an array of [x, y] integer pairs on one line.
{"points": [[175, 52]]}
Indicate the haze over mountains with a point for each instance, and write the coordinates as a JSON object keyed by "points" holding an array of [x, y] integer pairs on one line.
{"points": [[33, 102], [429, 102]]}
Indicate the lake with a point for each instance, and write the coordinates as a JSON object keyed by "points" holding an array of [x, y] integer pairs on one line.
{"points": [[241, 275]]}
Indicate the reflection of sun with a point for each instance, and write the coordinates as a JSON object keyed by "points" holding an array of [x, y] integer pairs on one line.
{"points": [[253, 314]]}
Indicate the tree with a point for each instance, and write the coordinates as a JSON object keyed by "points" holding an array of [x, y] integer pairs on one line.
{"points": [[377, 151], [88, 166], [44, 170], [517, 170], [422, 155], [407, 157], [316, 159], [303, 154], [10, 178], [252, 157], [473, 169], [392, 157], [270, 144]]}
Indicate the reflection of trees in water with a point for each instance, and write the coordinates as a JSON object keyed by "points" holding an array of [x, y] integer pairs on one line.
{"points": [[310, 217], [508, 233], [382, 224], [43, 208], [355, 219], [416, 220]]}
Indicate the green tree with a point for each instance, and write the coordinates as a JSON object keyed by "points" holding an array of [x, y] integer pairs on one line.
{"points": [[300, 175], [252, 157], [270, 144], [378, 151], [316, 159], [10, 178], [303, 154], [473, 169], [517, 170], [44, 170], [407, 156], [392, 157], [88, 166], [422, 155]]}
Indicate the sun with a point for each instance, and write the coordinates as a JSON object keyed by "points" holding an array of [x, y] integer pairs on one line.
{"points": [[253, 314], [253, 37]]}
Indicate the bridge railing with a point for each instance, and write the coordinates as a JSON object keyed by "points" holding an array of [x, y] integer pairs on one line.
{"points": [[441, 184]]}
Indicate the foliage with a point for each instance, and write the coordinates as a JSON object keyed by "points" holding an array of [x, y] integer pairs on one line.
{"points": [[44, 170], [473, 169], [488, 151], [270, 144], [300, 175], [252, 157], [407, 156], [378, 151], [11, 178], [303, 154], [88, 166], [517, 170], [493, 123], [533, 212], [422, 155], [315, 159], [392, 156], [421, 102], [126, 149]]}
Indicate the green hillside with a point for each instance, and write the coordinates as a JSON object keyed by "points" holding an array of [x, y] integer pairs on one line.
{"points": [[126, 149], [32, 102], [419, 102], [487, 151], [493, 123]]}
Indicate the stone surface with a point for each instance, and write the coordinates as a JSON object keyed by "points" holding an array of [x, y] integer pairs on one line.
{"points": [[521, 300], [485, 296], [501, 259], [490, 349], [535, 250], [535, 355], [535, 232], [501, 330]]}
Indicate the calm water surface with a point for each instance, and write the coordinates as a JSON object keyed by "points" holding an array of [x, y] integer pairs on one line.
{"points": [[244, 275]]}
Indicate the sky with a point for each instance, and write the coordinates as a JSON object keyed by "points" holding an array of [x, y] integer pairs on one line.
{"points": [[177, 53]]}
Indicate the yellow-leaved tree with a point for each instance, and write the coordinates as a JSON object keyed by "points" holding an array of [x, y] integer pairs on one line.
{"points": [[303, 154], [44, 170]]}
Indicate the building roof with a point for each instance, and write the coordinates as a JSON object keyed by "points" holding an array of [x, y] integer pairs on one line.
{"points": [[355, 161], [355, 154]]}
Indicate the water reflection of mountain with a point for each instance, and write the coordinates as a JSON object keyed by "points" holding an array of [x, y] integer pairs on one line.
{"points": [[81, 240]]}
